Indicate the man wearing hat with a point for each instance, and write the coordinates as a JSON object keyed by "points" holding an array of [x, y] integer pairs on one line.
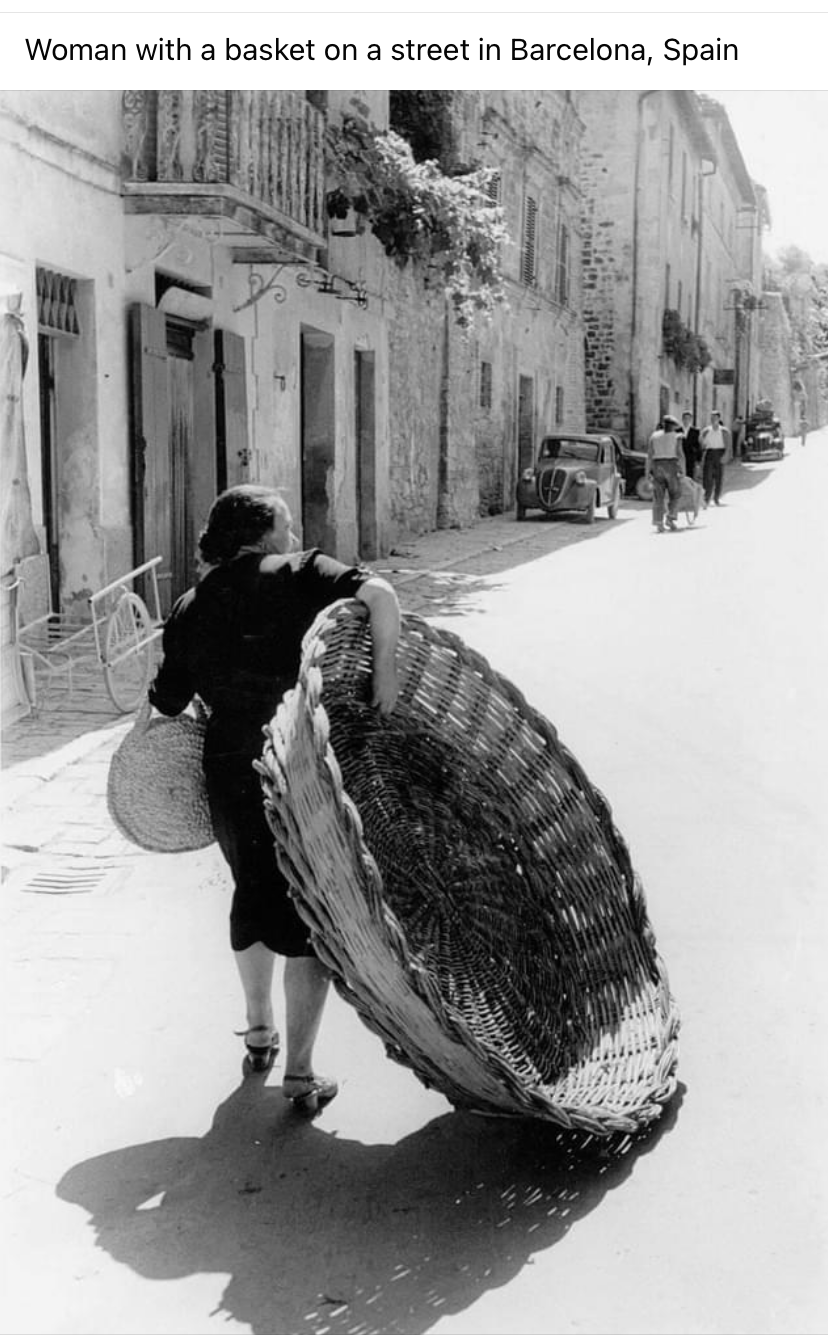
{"points": [[665, 466], [715, 441]]}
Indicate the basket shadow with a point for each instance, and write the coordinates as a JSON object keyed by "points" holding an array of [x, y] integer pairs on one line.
{"points": [[326, 1235]]}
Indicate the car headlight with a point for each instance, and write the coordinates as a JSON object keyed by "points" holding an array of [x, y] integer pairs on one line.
{"points": [[528, 476], [580, 477]]}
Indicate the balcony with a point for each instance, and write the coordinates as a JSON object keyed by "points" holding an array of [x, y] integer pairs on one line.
{"points": [[253, 159]]}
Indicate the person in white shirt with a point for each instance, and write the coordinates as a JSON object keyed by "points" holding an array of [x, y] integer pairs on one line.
{"points": [[715, 442], [665, 466]]}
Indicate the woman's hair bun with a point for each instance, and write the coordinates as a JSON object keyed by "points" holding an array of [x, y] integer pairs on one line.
{"points": [[238, 518]]}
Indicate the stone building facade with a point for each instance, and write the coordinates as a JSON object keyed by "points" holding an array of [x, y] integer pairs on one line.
{"points": [[665, 197], [195, 319], [775, 382], [468, 409], [194, 323], [734, 214]]}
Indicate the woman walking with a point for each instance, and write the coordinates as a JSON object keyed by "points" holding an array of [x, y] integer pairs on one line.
{"points": [[234, 640]]}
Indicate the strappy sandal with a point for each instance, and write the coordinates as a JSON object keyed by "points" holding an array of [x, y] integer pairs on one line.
{"points": [[260, 1057], [311, 1093]]}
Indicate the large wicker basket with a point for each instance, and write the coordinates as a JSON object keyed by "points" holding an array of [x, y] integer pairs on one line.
{"points": [[465, 884]]}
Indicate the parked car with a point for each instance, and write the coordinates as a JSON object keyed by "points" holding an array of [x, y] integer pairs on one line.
{"points": [[632, 465], [572, 473], [763, 434]]}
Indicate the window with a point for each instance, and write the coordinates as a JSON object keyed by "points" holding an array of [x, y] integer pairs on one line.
{"points": [[493, 188], [528, 256], [678, 297], [667, 286], [562, 275], [559, 404], [485, 385]]}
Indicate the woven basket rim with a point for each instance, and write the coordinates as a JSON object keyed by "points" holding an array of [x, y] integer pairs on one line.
{"points": [[156, 791], [307, 697]]}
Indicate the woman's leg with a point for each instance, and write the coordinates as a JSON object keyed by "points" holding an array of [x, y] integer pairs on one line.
{"points": [[658, 496], [306, 988], [673, 489], [255, 965]]}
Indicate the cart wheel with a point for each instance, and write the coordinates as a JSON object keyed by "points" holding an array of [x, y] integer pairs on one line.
{"points": [[128, 652]]}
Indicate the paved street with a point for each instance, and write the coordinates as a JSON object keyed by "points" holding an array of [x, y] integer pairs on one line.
{"points": [[150, 1190]]}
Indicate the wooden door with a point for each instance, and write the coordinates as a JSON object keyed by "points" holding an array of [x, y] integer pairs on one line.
{"points": [[49, 463], [173, 444], [233, 463], [366, 455], [152, 505], [526, 423], [318, 441]]}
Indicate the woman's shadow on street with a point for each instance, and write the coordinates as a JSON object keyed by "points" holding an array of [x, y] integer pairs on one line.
{"points": [[323, 1234]]}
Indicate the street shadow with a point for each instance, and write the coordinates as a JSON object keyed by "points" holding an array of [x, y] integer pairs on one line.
{"points": [[61, 716], [326, 1235], [445, 594], [743, 475], [456, 591]]}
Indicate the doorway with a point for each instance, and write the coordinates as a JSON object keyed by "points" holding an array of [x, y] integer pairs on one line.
{"points": [[526, 423], [366, 460], [175, 467], [49, 464], [318, 441]]}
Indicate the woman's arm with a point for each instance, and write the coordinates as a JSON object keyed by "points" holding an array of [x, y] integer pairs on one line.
{"points": [[384, 610], [173, 689]]}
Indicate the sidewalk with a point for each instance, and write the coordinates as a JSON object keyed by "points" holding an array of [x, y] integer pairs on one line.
{"points": [[429, 572]]}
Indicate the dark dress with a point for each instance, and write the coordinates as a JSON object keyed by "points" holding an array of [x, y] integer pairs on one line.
{"points": [[235, 640]]}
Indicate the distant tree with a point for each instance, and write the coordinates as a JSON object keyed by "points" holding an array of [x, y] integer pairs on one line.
{"points": [[803, 284]]}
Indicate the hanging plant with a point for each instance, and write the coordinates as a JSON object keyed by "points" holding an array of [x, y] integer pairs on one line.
{"points": [[445, 224], [678, 342]]}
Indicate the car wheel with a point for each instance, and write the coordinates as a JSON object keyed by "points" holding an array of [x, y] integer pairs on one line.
{"points": [[589, 513], [644, 489], [612, 509]]}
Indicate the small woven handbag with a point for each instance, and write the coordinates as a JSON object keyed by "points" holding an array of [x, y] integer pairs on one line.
{"points": [[156, 792], [466, 885]]}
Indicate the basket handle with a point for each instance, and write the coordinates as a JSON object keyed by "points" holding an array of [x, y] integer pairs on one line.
{"points": [[144, 717]]}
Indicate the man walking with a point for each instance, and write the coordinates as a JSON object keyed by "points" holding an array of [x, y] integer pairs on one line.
{"points": [[690, 445], [665, 466], [715, 441]]}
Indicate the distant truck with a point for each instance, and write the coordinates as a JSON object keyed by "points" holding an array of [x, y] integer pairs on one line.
{"points": [[763, 434]]}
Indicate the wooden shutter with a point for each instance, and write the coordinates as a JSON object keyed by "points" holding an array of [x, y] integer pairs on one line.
{"points": [[203, 464], [563, 265], [151, 463], [528, 265], [231, 410], [493, 188]]}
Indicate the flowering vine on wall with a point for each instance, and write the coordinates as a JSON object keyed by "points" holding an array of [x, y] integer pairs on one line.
{"points": [[421, 215], [687, 349]]}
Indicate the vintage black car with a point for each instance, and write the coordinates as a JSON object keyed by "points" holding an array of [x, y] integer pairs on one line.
{"points": [[763, 434], [572, 473], [633, 465]]}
